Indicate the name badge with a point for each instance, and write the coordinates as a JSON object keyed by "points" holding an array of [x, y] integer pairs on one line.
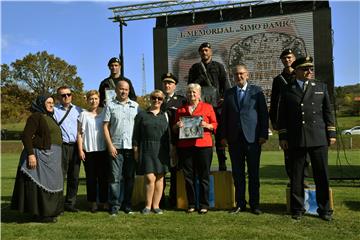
{"points": [[319, 92]]}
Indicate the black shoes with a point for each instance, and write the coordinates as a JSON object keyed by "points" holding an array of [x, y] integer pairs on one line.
{"points": [[297, 216], [237, 210], [47, 219], [71, 209], [256, 211], [326, 217]]}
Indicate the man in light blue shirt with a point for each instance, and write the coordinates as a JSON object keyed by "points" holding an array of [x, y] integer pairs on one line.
{"points": [[118, 129], [66, 114]]}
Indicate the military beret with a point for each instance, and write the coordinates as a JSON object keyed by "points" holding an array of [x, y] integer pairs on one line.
{"points": [[169, 77], [113, 60], [302, 62], [286, 52], [204, 45]]}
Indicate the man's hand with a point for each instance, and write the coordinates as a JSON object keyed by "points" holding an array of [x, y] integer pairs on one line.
{"points": [[332, 141], [112, 151], [223, 142], [136, 153], [284, 144], [262, 141]]}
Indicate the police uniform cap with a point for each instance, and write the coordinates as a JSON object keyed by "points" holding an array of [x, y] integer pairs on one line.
{"points": [[113, 60], [169, 77], [302, 62], [204, 45], [286, 51]]}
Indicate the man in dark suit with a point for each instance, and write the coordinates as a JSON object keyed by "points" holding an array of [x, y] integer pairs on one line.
{"points": [[171, 103], [306, 126], [287, 58], [244, 127]]}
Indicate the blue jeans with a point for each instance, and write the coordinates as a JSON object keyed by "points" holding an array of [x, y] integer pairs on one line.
{"points": [[122, 170]]}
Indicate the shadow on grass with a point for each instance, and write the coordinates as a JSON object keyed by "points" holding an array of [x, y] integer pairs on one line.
{"points": [[13, 216], [353, 205], [274, 208]]}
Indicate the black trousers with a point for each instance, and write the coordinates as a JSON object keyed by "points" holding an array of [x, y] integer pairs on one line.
{"points": [[319, 162], [249, 153], [71, 169], [96, 170], [196, 162], [220, 150], [288, 165]]}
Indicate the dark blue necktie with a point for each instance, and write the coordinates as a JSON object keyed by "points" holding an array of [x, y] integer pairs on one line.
{"points": [[241, 95]]}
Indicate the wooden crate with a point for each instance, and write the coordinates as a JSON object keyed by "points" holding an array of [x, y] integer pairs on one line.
{"points": [[221, 192]]}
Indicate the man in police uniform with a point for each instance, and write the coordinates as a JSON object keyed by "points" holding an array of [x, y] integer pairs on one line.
{"points": [[171, 103], [279, 83], [108, 85], [306, 126], [209, 73]]}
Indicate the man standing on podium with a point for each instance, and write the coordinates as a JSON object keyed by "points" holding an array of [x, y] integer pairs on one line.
{"points": [[306, 126], [210, 74]]}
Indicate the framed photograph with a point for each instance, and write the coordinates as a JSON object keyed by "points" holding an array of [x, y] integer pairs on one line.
{"points": [[109, 95], [191, 128]]}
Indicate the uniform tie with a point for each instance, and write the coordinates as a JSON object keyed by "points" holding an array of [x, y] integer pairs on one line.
{"points": [[305, 84]]}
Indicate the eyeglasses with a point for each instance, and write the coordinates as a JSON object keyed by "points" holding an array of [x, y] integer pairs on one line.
{"points": [[307, 69], [65, 95], [154, 98]]}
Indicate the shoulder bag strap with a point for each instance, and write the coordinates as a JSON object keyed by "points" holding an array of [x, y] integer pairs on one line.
{"points": [[66, 114], [207, 76]]}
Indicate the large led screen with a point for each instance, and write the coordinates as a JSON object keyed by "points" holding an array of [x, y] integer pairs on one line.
{"points": [[255, 42]]}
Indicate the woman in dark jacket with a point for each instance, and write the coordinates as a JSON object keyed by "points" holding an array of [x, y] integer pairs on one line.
{"points": [[38, 186]]}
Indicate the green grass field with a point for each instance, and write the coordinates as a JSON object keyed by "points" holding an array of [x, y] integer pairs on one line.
{"points": [[275, 223]]}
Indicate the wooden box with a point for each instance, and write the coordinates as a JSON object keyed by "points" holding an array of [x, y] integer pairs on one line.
{"points": [[310, 203]]}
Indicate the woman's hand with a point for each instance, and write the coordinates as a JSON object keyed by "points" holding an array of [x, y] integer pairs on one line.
{"points": [[206, 125], [32, 162], [179, 124]]}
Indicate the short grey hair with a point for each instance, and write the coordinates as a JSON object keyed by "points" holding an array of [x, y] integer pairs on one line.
{"points": [[194, 86]]}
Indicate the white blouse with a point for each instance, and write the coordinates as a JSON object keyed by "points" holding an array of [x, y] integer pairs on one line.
{"points": [[92, 131]]}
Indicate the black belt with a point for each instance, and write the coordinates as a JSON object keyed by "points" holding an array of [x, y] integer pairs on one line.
{"points": [[70, 144]]}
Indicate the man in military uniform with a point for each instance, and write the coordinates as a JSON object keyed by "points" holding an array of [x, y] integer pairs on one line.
{"points": [[306, 126], [209, 73], [171, 103], [279, 83], [108, 85]]}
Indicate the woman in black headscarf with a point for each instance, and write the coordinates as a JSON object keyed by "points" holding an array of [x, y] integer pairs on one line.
{"points": [[38, 186]]}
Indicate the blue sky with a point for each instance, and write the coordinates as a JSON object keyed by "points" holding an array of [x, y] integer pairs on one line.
{"points": [[82, 35]]}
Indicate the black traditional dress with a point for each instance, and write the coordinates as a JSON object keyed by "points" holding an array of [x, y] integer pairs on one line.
{"points": [[39, 191]]}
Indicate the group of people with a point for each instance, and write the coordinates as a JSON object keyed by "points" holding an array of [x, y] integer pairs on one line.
{"points": [[116, 139]]}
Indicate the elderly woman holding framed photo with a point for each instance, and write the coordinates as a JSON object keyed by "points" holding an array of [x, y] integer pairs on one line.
{"points": [[196, 122]]}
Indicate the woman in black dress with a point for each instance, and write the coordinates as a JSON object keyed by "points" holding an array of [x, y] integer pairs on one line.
{"points": [[38, 186], [151, 150]]}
